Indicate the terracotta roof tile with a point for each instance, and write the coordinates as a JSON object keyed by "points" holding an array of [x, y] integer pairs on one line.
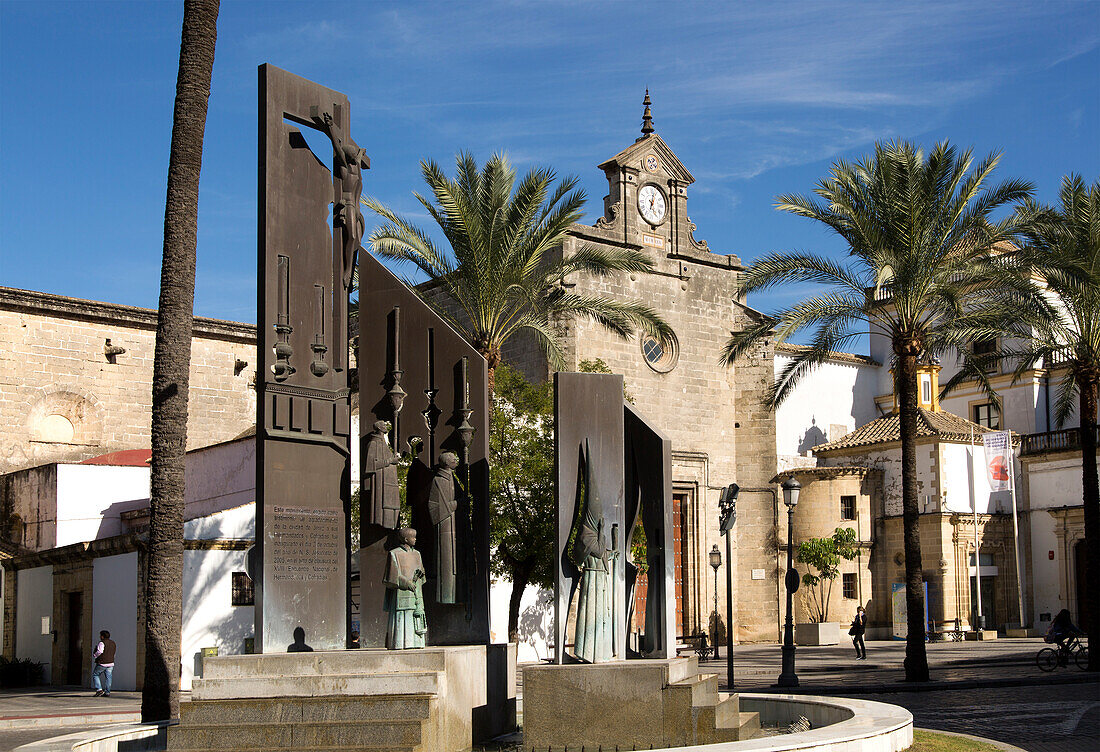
{"points": [[887, 429]]}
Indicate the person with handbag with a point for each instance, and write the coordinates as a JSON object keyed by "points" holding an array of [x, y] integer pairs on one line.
{"points": [[859, 626]]}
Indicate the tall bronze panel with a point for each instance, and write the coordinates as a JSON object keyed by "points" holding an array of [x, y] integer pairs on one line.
{"points": [[302, 407], [648, 466], [420, 376], [589, 449]]}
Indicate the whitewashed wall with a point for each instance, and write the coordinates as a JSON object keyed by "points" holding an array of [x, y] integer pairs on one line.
{"points": [[91, 497], [1051, 485], [221, 476], [114, 608], [234, 524], [536, 620], [1046, 580], [1054, 484], [33, 601], [889, 462], [209, 618], [1023, 407], [835, 394]]}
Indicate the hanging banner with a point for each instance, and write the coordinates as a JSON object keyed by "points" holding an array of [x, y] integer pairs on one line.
{"points": [[998, 459]]}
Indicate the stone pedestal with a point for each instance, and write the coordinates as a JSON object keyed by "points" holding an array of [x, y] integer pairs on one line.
{"points": [[825, 633], [629, 705], [436, 698], [982, 634]]}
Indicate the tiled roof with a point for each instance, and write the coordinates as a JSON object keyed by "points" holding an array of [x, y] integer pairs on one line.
{"points": [[786, 348], [887, 429]]}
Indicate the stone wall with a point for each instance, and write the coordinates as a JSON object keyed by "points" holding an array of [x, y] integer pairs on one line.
{"points": [[817, 515], [63, 398], [28, 507]]}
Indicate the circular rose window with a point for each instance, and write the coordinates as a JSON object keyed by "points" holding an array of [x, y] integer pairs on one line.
{"points": [[661, 357]]}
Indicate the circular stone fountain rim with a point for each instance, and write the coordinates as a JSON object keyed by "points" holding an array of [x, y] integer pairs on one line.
{"points": [[867, 720]]}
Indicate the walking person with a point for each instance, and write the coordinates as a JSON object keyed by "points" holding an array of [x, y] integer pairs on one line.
{"points": [[104, 657], [859, 626]]}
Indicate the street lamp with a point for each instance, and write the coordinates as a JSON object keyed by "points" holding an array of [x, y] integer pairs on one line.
{"points": [[788, 678], [715, 557], [727, 516]]}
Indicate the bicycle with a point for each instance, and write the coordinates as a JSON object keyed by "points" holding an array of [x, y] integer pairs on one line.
{"points": [[1049, 659]]}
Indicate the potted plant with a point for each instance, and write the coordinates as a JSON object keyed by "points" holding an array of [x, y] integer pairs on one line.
{"points": [[823, 555]]}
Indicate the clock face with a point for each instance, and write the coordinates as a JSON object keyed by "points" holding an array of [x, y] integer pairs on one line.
{"points": [[651, 204]]}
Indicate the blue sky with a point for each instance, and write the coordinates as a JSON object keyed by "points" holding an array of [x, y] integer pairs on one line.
{"points": [[756, 98]]}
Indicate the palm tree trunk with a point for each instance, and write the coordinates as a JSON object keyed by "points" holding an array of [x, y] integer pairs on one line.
{"points": [[171, 366], [521, 575], [1091, 499], [916, 658]]}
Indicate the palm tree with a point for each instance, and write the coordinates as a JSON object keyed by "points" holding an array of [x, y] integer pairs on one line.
{"points": [[504, 270], [1064, 246], [922, 271], [171, 364]]}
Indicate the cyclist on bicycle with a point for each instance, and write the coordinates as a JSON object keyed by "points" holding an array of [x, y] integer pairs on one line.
{"points": [[1062, 629]]}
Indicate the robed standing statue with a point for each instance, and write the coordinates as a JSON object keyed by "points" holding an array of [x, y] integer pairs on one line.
{"points": [[593, 638], [442, 504], [380, 495], [404, 580]]}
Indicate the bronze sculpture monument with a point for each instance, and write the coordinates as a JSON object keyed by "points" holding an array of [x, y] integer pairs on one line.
{"points": [[379, 495], [593, 640], [406, 626], [442, 503]]}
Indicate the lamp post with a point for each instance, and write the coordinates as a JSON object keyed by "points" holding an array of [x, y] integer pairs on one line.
{"points": [[715, 563], [727, 509], [788, 678]]}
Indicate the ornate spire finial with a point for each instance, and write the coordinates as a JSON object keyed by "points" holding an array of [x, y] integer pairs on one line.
{"points": [[647, 117]]}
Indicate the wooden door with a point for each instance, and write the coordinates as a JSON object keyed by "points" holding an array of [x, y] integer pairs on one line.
{"points": [[74, 664], [679, 509]]}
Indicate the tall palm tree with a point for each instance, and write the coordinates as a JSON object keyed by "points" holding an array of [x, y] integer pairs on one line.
{"points": [[171, 364], [503, 271], [1064, 246], [922, 271]]}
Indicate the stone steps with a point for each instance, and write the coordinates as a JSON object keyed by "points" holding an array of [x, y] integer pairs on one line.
{"points": [[325, 663], [375, 735], [305, 710], [354, 748], [318, 685]]}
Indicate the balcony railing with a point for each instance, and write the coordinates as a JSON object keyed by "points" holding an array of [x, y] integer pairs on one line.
{"points": [[1066, 440]]}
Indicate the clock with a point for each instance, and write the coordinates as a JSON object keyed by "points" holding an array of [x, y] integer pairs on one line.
{"points": [[651, 204]]}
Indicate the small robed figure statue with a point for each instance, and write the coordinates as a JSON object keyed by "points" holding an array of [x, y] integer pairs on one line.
{"points": [[594, 636], [404, 581], [381, 494], [442, 503]]}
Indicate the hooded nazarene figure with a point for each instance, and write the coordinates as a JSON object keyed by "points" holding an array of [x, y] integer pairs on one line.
{"points": [[593, 637], [380, 500]]}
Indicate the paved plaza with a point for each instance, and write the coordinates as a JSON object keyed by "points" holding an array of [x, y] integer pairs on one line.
{"points": [[833, 669], [990, 689]]}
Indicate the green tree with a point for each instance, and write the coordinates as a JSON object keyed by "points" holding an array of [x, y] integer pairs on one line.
{"points": [[160, 694], [521, 486], [825, 555], [924, 271], [504, 269], [1064, 246]]}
